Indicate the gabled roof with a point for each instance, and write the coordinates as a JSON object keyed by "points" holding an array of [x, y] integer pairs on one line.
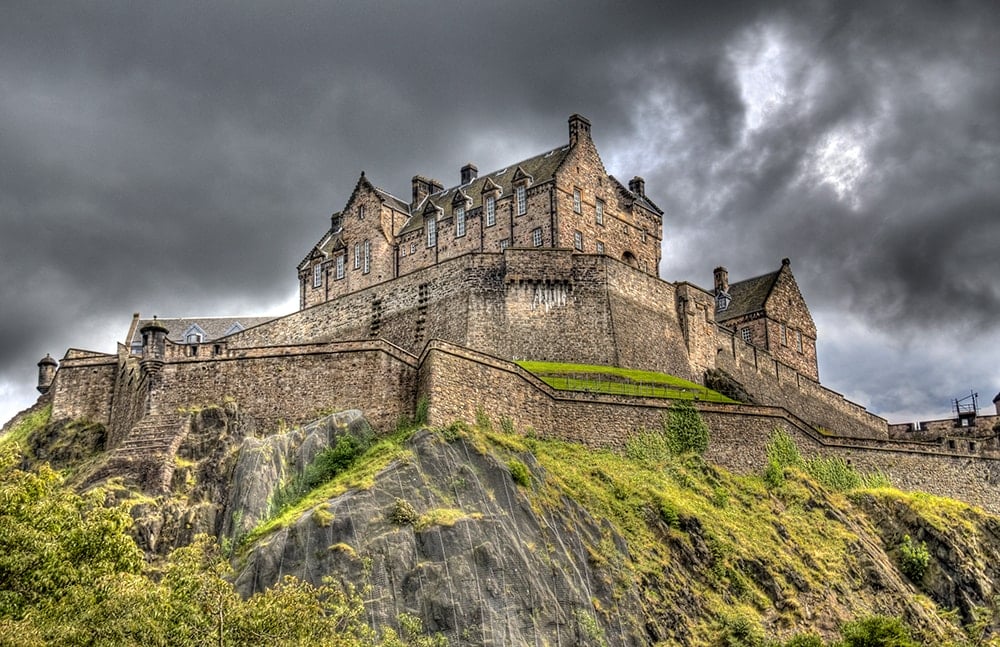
{"points": [[541, 168], [212, 327], [748, 296], [631, 195]]}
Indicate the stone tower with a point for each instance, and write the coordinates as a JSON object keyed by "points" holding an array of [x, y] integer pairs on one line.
{"points": [[46, 373]]}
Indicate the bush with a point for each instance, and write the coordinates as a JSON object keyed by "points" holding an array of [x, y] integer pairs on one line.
{"points": [[686, 432], [333, 460], [804, 640], [519, 472], [403, 513], [781, 450], [876, 631], [913, 558], [834, 474], [647, 446]]}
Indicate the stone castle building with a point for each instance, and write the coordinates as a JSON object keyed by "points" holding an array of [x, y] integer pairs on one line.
{"points": [[437, 296]]}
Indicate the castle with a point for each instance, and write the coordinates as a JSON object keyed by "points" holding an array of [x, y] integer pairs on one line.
{"points": [[435, 297]]}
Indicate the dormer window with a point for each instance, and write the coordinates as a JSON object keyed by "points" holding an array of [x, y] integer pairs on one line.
{"points": [[317, 275], [722, 301]]}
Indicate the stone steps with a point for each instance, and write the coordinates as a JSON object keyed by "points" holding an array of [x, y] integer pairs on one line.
{"points": [[145, 457]]}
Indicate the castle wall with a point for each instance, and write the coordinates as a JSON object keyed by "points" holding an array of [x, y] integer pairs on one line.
{"points": [[458, 381], [294, 384], [83, 387], [128, 401]]}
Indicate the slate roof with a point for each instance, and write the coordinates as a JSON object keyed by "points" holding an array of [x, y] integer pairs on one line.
{"points": [[213, 327], [748, 296], [541, 168]]}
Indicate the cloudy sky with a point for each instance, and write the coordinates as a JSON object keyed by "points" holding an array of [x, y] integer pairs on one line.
{"points": [[179, 158]]}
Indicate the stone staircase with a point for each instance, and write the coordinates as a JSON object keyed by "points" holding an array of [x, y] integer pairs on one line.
{"points": [[146, 457]]}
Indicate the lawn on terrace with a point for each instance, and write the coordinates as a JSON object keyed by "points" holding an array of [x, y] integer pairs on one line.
{"points": [[619, 381]]}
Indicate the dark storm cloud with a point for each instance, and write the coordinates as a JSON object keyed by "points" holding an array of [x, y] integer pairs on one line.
{"points": [[180, 158]]}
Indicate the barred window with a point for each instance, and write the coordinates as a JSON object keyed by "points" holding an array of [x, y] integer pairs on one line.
{"points": [[357, 255], [578, 240], [576, 200], [504, 244], [340, 266], [600, 247], [368, 256], [745, 333]]}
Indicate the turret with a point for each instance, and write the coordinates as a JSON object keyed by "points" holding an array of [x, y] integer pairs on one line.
{"points": [[154, 346], [46, 373]]}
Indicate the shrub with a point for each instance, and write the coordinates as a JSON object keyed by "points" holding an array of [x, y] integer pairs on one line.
{"points": [[804, 640], [519, 472], [913, 558], [647, 446], [685, 430], [507, 424], [333, 460], [834, 474], [774, 475], [740, 631], [876, 631], [781, 449], [421, 415], [483, 422], [403, 513]]}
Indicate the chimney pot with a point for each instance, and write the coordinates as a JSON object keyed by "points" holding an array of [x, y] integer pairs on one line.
{"points": [[721, 280]]}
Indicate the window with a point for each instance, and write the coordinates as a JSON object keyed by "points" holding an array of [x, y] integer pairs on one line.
{"points": [[600, 247], [600, 211], [361, 212], [413, 248], [578, 240], [357, 255], [368, 256], [432, 236], [576, 200], [194, 337], [491, 211], [504, 244], [643, 235], [459, 222], [317, 275], [784, 335], [745, 333], [536, 236], [521, 194], [722, 301], [798, 335], [340, 266]]}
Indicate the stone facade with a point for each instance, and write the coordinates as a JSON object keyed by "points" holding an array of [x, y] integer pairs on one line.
{"points": [[563, 198]]}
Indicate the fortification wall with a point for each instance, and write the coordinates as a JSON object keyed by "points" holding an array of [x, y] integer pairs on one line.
{"points": [[128, 401], [647, 329], [293, 384], [83, 387], [770, 381], [459, 381]]}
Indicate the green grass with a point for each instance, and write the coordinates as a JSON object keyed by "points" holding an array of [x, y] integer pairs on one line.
{"points": [[619, 381], [29, 424]]}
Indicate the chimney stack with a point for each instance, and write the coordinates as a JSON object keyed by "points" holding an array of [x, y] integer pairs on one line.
{"points": [[469, 173], [637, 185], [578, 126], [423, 187], [721, 280]]}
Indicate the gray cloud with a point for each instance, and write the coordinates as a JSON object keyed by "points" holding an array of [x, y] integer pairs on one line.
{"points": [[180, 158]]}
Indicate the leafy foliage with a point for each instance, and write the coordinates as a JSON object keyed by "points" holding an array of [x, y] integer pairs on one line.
{"points": [[519, 472], [913, 558], [685, 430], [876, 631]]}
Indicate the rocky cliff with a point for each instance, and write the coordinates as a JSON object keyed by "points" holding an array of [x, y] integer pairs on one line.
{"points": [[491, 537]]}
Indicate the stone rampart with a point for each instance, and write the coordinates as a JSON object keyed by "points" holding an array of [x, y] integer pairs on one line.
{"points": [[129, 401], [458, 382], [294, 384], [83, 387]]}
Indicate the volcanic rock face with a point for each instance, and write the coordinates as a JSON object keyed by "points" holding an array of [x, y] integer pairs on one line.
{"points": [[472, 559]]}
